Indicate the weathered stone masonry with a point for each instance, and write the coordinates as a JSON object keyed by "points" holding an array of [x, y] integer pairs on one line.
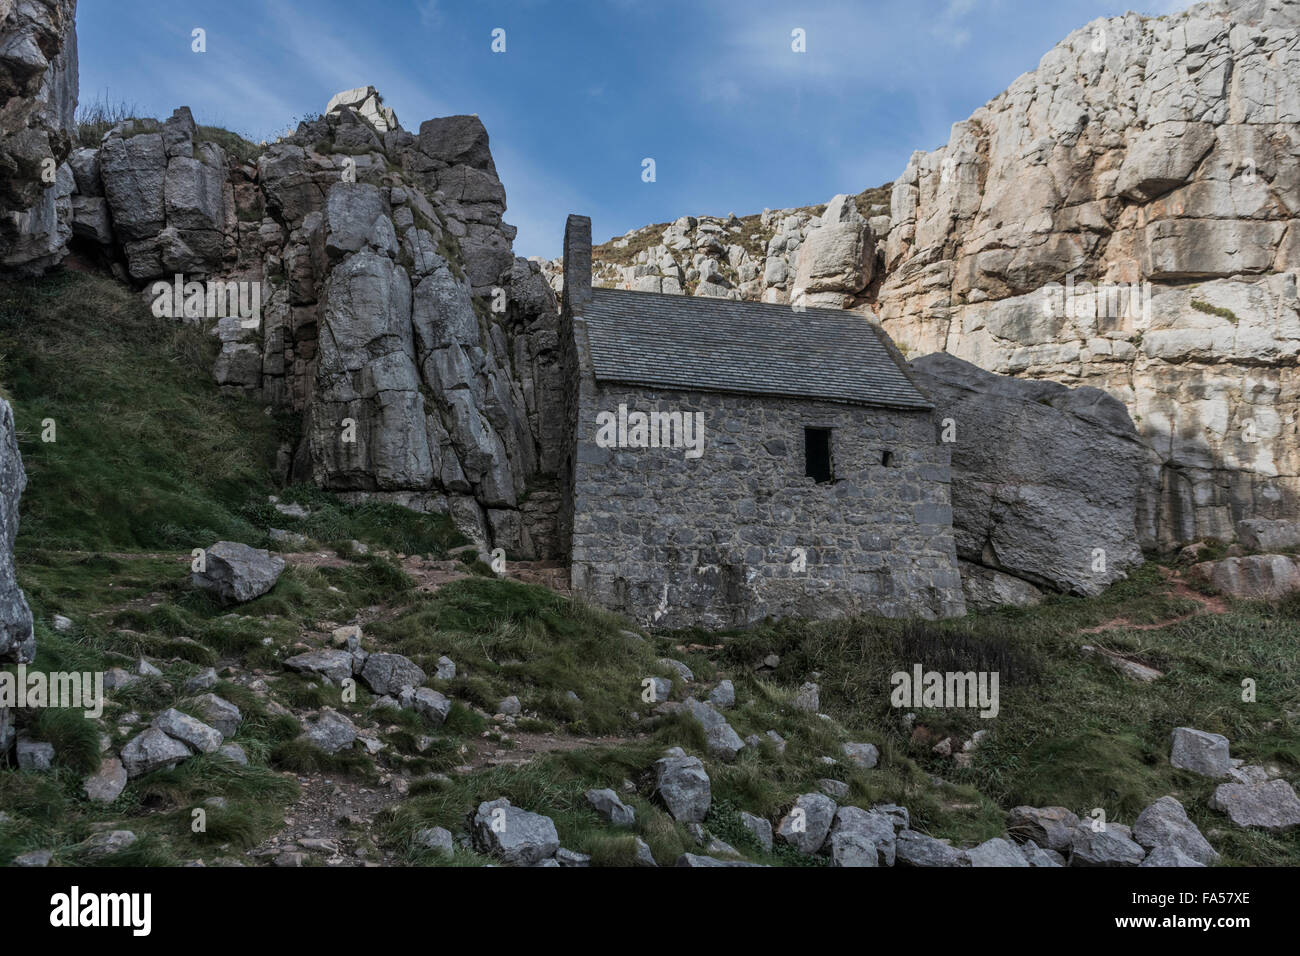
{"points": [[740, 532]]}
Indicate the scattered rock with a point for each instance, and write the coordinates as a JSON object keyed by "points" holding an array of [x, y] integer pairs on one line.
{"points": [[391, 673], [1165, 823], [510, 706], [153, 750], [759, 827], [105, 844], [1200, 752], [682, 670], [218, 713], [186, 729], [233, 752], [205, 680], [996, 852], [107, 783], [1271, 805], [33, 858], [1112, 846], [426, 702], [329, 730], [808, 699], [236, 573], [609, 806], [871, 826], [864, 756], [917, 849], [722, 740], [835, 789], [34, 755], [514, 836], [683, 786], [806, 825], [1049, 827], [723, 696], [446, 669], [435, 838], [1169, 856], [697, 861], [333, 665]]}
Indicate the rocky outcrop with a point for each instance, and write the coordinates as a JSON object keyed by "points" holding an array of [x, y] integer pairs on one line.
{"points": [[1155, 156], [38, 102], [16, 641], [360, 279], [1046, 481]]}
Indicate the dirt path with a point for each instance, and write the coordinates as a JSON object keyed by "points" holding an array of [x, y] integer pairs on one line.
{"points": [[1209, 604]]}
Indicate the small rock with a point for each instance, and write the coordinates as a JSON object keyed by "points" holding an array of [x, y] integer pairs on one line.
{"points": [[1266, 806], [1169, 856], [33, 858], [62, 624], [153, 750], [723, 696], [446, 669], [917, 849], [510, 706], [330, 731], [571, 858], [435, 838], [1200, 752], [643, 855], [865, 756], [35, 755], [759, 827], [682, 670], [188, 730], [219, 713], [1112, 846], [1049, 827], [806, 825], [515, 836], [836, 789], [609, 806], [233, 752], [683, 786], [1165, 823], [808, 699], [107, 783], [206, 680], [996, 852], [105, 844]]}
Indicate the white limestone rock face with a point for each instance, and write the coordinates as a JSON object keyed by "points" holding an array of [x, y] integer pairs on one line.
{"points": [[1140, 150]]}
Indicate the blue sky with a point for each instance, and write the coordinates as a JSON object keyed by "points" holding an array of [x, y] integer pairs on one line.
{"points": [[711, 90]]}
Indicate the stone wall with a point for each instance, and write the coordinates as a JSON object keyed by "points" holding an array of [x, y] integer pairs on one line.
{"points": [[711, 541]]}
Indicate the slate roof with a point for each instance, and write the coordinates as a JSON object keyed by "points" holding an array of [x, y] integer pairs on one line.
{"points": [[721, 345]]}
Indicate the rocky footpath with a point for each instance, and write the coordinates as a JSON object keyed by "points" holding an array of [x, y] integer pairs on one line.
{"points": [[366, 288]]}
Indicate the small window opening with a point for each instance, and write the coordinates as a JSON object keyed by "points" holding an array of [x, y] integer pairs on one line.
{"points": [[817, 454], [886, 457]]}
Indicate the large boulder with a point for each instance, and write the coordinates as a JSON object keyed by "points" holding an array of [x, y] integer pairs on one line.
{"points": [[1200, 752], [1165, 824], [683, 786], [514, 836], [1045, 479], [1267, 805], [236, 573], [1264, 534], [17, 643], [1266, 576]]}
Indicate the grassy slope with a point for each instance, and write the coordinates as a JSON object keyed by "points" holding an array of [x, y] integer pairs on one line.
{"points": [[152, 458]]}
